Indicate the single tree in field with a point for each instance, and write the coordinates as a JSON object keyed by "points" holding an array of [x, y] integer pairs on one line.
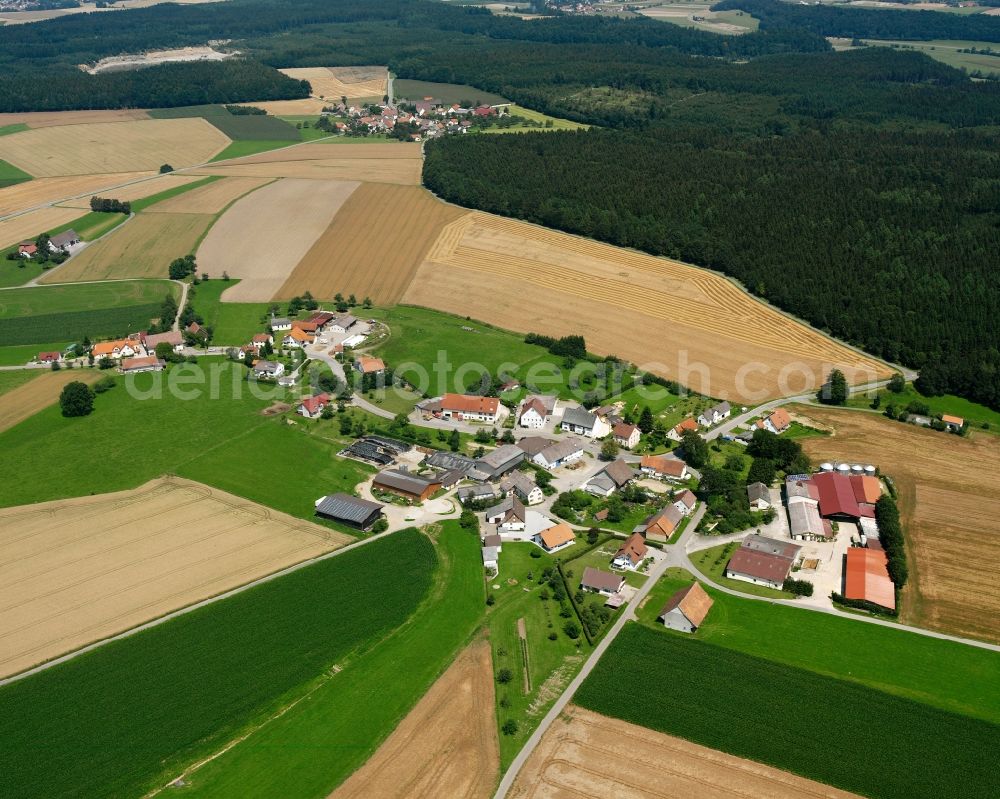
{"points": [[504, 676], [609, 449], [76, 399], [166, 168], [834, 390], [454, 441], [645, 423], [367, 302], [897, 383], [510, 727]]}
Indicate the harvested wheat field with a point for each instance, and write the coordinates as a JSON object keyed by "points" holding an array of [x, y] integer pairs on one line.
{"points": [[29, 225], [582, 756], [336, 82], [949, 500], [265, 234], [87, 149], [143, 246], [130, 193], [374, 245], [47, 119], [210, 198], [29, 398], [42, 191], [446, 746], [307, 106], [672, 319], [343, 151], [79, 570]]}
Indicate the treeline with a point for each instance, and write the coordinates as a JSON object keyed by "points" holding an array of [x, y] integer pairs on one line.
{"points": [[890, 536], [108, 205], [167, 85], [868, 23], [886, 239]]}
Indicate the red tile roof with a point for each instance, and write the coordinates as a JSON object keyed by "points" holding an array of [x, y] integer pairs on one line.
{"points": [[314, 404], [780, 420], [866, 488], [867, 577], [693, 602], [667, 466], [634, 549], [48, 357], [686, 424], [836, 496], [465, 403]]}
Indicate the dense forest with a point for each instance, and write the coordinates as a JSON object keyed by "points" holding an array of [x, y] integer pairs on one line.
{"points": [[868, 23], [859, 190]]}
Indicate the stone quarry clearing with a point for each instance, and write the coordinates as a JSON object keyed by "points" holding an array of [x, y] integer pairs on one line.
{"points": [[949, 501], [75, 571], [446, 746], [143, 246], [666, 315], [29, 398], [373, 246], [87, 149], [154, 57], [208, 199], [29, 225], [262, 237], [332, 83], [584, 755]]}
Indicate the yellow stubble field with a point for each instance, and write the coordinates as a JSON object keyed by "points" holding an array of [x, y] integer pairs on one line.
{"points": [[41, 391], [332, 83], [40, 191], [128, 193], [208, 199], [31, 224], [79, 570]]}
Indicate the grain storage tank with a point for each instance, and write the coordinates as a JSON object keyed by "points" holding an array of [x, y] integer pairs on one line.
{"points": [[826, 467], [843, 468], [857, 468], [870, 471]]}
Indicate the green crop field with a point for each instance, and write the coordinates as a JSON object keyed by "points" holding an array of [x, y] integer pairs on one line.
{"points": [[11, 380], [238, 149], [837, 732], [238, 127], [120, 719], [232, 323], [10, 174], [70, 312], [317, 744], [17, 127], [948, 675], [444, 92], [974, 413]]}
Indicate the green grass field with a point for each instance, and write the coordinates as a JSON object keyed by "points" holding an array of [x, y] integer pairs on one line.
{"points": [[17, 127], [19, 272], [947, 51], [20, 354], [123, 718], [71, 311], [712, 563], [538, 117], [317, 744], [238, 127], [11, 380], [947, 675], [10, 174], [974, 413], [554, 661], [232, 323], [834, 731], [238, 149], [413, 90]]}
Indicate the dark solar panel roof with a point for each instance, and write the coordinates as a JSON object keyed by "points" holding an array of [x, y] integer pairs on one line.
{"points": [[346, 507]]}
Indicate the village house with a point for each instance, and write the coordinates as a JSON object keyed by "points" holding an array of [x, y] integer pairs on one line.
{"points": [[412, 487], [631, 553], [664, 468], [172, 337], [305, 325], [521, 485], [27, 249], [613, 477], [601, 582], [866, 577], [759, 496], [194, 329], [120, 348], [555, 538], [686, 609], [468, 407], [626, 435], [343, 508], [312, 407], [762, 561], [508, 515], [268, 370], [149, 363], [776, 422], [661, 525], [714, 415], [582, 422], [559, 453], [677, 431], [532, 445], [49, 357], [685, 501], [280, 324], [297, 339], [535, 411], [953, 423], [61, 242], [259, 340], [368, 365]]}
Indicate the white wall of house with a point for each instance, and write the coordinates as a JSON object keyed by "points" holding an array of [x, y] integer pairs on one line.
{"points": [[675, 620], [746, 578], [532, 419]]}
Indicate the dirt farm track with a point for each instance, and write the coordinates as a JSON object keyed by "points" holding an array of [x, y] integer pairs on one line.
{"points": [[949, 501], [75, 571], [584, 755]]}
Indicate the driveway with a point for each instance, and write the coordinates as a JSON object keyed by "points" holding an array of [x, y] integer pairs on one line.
{"points": [[400, 516]]}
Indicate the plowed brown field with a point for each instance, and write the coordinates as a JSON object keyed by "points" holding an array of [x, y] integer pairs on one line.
{"points": [[584, 755], [87, 149], [949, 499], [333, 83], [130, 193], [262, 237], [79, 570], [47, 190], [374, 245], [28, 399], [29, 225], [143, 246], [669, 318], [445, 747], [210, 198]]}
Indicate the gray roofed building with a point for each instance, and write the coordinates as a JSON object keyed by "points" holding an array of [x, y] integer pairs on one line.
{"points": [[759, 496], [449, 461], [772, 546], [500, 461], [532, 445], [350, 510], [620, 472], [344, 322], [559, 452], [490, 556], [67, 238], [493, 540], [601, 581], [805, 522], [601, 485], [476, 493], [579, 417]]}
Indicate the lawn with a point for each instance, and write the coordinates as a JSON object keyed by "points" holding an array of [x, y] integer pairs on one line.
{"points": [[712, 563], [238, 149], [413, 90], [316, 745], [11, 380], [540, 121], [145, 202], [600, 558], [792, 718], [20, 354], [125, 717], [552, 663], [19, 272], [948, 675], [10, 175], [232, 323], [975, 414]]}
